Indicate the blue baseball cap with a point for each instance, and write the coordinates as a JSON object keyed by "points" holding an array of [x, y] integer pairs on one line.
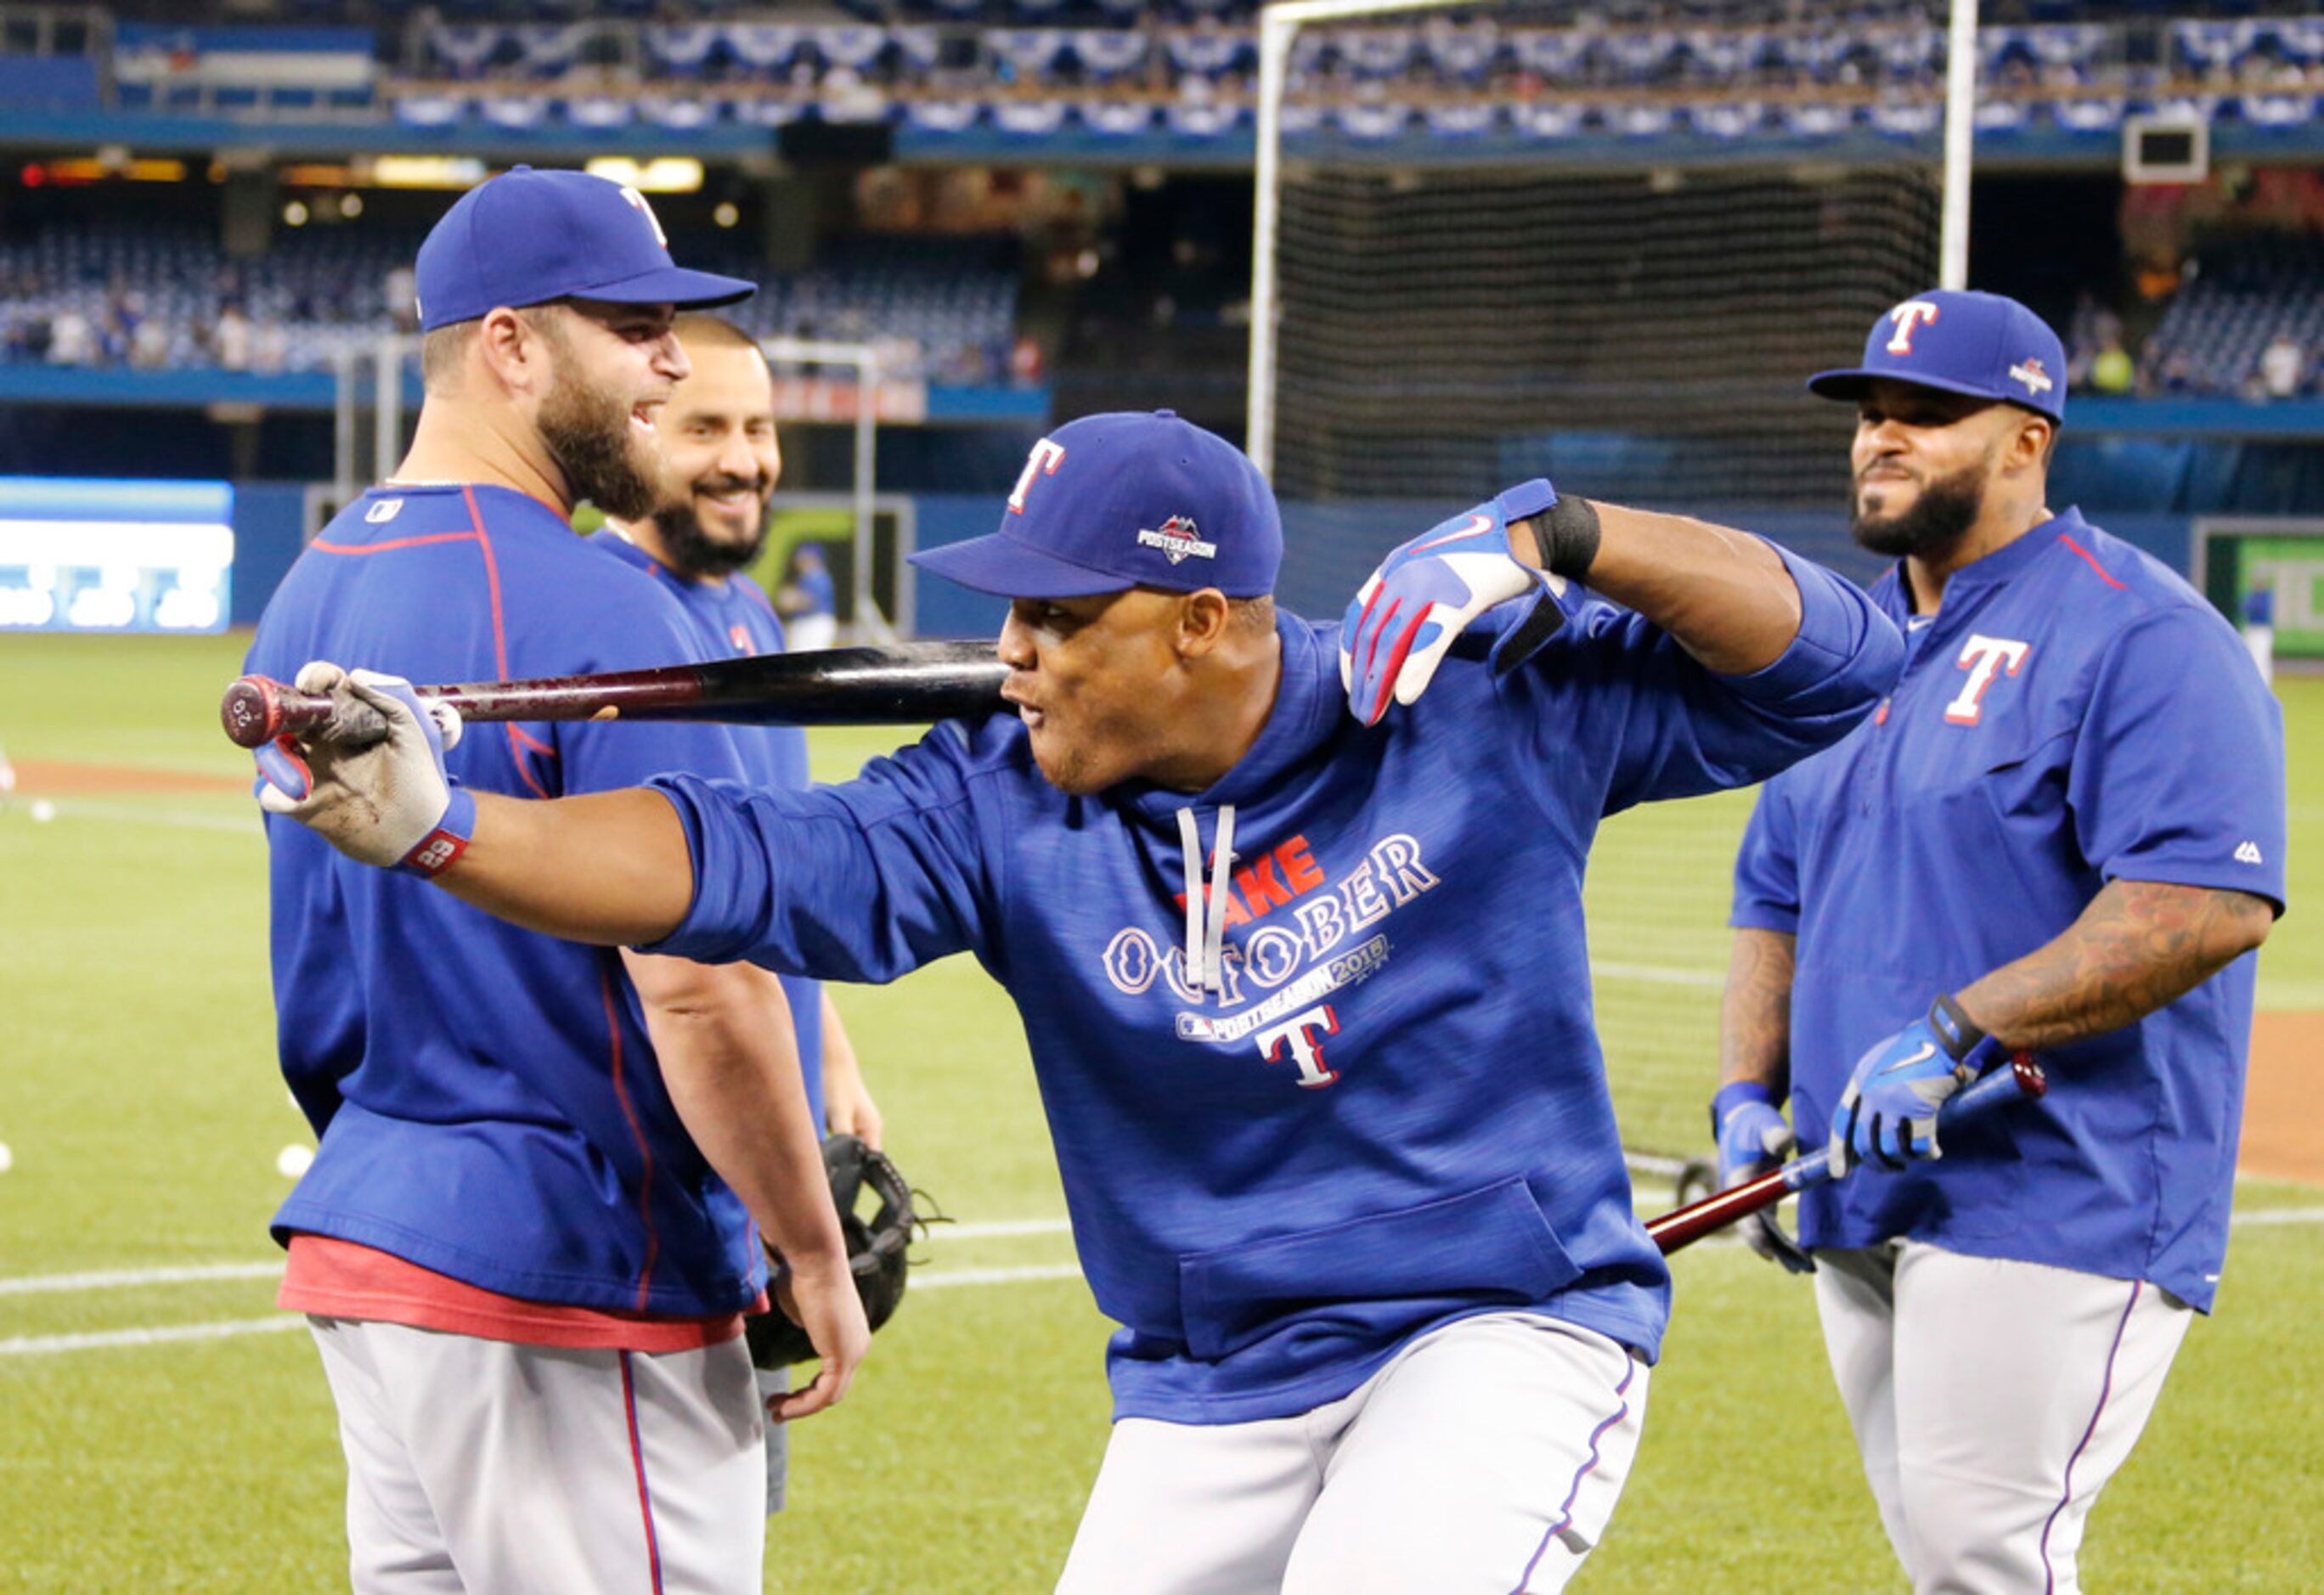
{"points": [[1978, 344], [526, 237], [1126, 500]]}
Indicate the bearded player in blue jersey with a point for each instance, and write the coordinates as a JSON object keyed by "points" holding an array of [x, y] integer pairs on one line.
{"points": [[1307, 991], [2064, 831], [527, 1237], [716, 462]]}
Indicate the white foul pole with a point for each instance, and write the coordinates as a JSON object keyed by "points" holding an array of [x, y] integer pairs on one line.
{"points": [[1960, 140], [1279, 25]]}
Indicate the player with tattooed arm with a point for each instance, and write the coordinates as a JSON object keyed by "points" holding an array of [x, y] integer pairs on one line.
{"points": [[2063, 833], [1302, 987]]}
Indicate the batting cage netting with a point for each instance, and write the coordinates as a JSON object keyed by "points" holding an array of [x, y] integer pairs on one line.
{"points": [[1637, 336]]}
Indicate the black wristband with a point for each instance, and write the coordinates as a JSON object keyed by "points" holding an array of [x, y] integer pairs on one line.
{"points": [[1566, 537], [1955, 1031]]}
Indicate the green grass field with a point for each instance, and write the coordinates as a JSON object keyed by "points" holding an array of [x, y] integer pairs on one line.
{"points": [[139, 1097]]}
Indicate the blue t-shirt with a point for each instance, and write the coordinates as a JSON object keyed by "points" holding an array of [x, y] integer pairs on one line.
{"points": [[1395, 1112], [733, 620], [2073, 713], [488, 1102]]}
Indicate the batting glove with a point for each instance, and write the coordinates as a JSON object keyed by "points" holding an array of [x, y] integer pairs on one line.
{"points": [[386, 802], [1888, 1113], [1404, 617], [1754, 1138]]}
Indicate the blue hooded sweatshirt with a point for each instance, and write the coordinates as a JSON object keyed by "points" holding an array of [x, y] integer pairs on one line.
{"points": [[1354, 1091]]}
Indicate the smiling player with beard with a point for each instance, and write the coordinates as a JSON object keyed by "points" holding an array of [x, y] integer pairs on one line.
{"points": [[2063, 832], [531, 1227], [716, 462]]}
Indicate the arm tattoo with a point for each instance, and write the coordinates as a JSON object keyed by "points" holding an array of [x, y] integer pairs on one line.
{"points": [[2138, 947], [1754, 1015]]}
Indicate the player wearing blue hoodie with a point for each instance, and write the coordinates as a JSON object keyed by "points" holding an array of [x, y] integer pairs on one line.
{"points": [[1308, 993]]}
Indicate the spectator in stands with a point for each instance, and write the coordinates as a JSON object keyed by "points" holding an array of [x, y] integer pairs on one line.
{"points": [[2282, 367], [270, 346], [230, 339], [71, 340], [149, 343], [401, 292], [806, 599]]}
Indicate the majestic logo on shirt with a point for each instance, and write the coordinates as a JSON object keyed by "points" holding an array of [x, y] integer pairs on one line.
{"points": [[1285, 971], [1177, 539], [2030, 373], [1984, 657], [2248, 853], [1907, 315]]}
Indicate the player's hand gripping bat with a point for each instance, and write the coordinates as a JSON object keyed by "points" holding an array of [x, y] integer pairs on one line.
{"points": [[901, 684], [2021, 1079]]}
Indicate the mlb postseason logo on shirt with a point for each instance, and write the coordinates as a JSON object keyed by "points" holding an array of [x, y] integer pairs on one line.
{"points": [[1178, 539]]}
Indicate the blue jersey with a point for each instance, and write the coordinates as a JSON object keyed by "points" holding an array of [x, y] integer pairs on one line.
{"points": [[1393, 1111], [489, 1104], [733, 620], [2073, 713]]}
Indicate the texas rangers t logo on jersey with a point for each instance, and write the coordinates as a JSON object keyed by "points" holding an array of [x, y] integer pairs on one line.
{"points": [[2029, 372], [1984, 657], [1177, 539], [1043, 461], [1907, 315]]}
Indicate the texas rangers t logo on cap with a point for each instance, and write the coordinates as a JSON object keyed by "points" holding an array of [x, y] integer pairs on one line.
{"points": [[637, 202], [1177, 539], [1907, 315]]}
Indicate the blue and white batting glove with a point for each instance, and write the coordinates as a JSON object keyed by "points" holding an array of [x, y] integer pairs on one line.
{"points": [[1754, 1138], [1404, 617], [1888, 1113], [386, 802]]}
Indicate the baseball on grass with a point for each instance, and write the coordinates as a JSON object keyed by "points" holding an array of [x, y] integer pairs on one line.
{"points": [[7, 1158], [294, 1160], [43, 811]]}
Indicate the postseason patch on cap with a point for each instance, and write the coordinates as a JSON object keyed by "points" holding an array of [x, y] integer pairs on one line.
{"points": [[2029, 372], [1178, 539]]}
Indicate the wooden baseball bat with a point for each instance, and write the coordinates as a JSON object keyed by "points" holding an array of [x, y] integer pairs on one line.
{"points": [[1686, 1225], [901, 684]]}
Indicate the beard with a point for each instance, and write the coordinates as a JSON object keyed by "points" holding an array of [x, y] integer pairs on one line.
{"points": [[587, 433], [1934, 523], [693, 548]]}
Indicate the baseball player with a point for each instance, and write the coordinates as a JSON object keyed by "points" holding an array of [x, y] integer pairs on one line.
{"points": [[1304, 988], [717, 463], [2063, 832], [527, 1240]]}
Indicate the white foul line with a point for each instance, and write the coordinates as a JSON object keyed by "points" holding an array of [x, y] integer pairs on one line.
{"points": [[118, 1278], [50, 1345], [197, 1273]]}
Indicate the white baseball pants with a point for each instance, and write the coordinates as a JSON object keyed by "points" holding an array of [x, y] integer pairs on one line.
{"points": [[479, 1467], [1486, 1458], [1992, 1402]]}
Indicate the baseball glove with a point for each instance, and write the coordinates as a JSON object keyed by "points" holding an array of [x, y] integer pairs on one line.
{"points": [[875, 1251]]}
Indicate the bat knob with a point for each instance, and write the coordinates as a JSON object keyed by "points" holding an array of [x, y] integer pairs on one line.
{"points": [[2031, 1080], [251, 710]]}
